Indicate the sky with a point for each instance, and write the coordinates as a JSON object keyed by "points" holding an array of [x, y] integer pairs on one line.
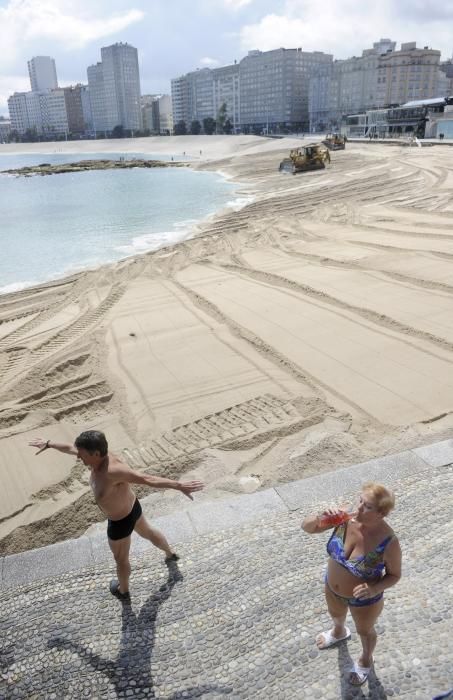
{"points": [[176, 36]]}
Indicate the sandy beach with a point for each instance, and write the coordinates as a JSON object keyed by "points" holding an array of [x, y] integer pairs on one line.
{"points": [[309, 330]]}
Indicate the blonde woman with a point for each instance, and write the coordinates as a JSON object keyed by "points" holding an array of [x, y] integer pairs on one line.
{"points": [[364, 560]]}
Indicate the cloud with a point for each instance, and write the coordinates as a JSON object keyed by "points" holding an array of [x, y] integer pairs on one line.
{"points": [[10, 84], [345, 27], [209, 62], [62, 21], [236, 4]]}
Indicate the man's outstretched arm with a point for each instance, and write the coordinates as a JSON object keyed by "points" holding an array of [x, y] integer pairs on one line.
{"points": [[47, 444], [158, 482]]}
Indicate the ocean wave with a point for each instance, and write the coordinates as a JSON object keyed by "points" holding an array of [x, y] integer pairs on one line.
{"points": [[71, 269], [158, 239], [17, 286], [240, 202]]}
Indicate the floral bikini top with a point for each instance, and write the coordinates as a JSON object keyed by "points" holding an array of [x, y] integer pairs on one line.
{"points": [[368, 566]]}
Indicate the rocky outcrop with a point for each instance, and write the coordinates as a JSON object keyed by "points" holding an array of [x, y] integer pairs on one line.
{"points": [[82, 165]]}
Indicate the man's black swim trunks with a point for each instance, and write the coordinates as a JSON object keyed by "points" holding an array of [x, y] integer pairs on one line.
{"points": [[119, 529]]}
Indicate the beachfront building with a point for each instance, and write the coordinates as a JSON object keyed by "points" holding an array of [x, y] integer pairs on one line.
{"points": [[95, 77], [437, 116], [150, 113], [86, 110], [121, 86], [193, 97], [114, 86], [157, 114], [54, 118], [381, 77], [348, 86], [18, 107], [41, 113], [422, 118], [266, 91], [43, 73], [226, 92], [165, 115], [200, 95], [179, 99], [274, 88], [76, 109], [5, 129], [408, 74]]}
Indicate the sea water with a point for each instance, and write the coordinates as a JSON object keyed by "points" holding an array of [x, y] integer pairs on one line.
{"points": [[55, 225]]}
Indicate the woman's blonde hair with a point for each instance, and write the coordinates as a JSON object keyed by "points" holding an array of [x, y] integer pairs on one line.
{"points": [[384, 499]]}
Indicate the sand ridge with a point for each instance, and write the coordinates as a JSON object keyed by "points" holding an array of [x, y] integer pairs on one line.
{"points": [[308, 330]]}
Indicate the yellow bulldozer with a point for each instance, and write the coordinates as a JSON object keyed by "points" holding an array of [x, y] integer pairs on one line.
{"points": [[335, 142], [311, 157]]}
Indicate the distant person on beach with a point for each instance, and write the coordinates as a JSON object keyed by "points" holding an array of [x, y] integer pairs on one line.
{"points": [[111, 481], [364, 560]]}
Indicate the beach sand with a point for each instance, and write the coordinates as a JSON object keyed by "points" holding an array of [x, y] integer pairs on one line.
{"points": [[309, 330]]}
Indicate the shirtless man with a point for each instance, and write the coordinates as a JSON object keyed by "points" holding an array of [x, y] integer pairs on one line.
{"points": [[110, 481]]}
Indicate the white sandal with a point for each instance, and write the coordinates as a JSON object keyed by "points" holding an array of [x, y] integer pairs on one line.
{"points": [[330, 640], [362, 673]]}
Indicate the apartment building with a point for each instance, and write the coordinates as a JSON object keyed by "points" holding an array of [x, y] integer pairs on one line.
{"points": [[121, 86], [114, 88], [18, 112], [5, 129], [408, 74], [54, 118], [43, 73], [274, 88], [44, 112], [265, 91], [43, 109], [157, 113], [165, 114], [77, 124], [95, 77], [226, 91], [346, 87]]}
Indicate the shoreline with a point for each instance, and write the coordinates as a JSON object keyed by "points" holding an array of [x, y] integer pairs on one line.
{"points": [[180, 233], [306, 331]]}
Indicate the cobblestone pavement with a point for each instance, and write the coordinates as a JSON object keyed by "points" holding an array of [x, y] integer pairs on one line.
{"points": [[237, 618]]}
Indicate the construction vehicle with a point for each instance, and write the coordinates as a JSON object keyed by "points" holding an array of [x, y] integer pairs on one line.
{"points": [[311, 157], [335, 142]]}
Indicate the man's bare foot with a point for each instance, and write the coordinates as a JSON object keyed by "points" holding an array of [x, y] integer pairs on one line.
{"points": [[327, 639]]}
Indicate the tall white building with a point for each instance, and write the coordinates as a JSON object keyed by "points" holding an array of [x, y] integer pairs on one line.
{"points": [[121, 86], [43, 73], [97, 97], [43, 109]]}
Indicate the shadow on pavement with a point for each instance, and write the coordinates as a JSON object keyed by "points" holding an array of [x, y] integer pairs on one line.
{"points": [[371, 690], [132, 667]]}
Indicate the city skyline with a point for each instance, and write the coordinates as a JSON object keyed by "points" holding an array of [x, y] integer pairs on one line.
{"points": [[171, 42]]}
